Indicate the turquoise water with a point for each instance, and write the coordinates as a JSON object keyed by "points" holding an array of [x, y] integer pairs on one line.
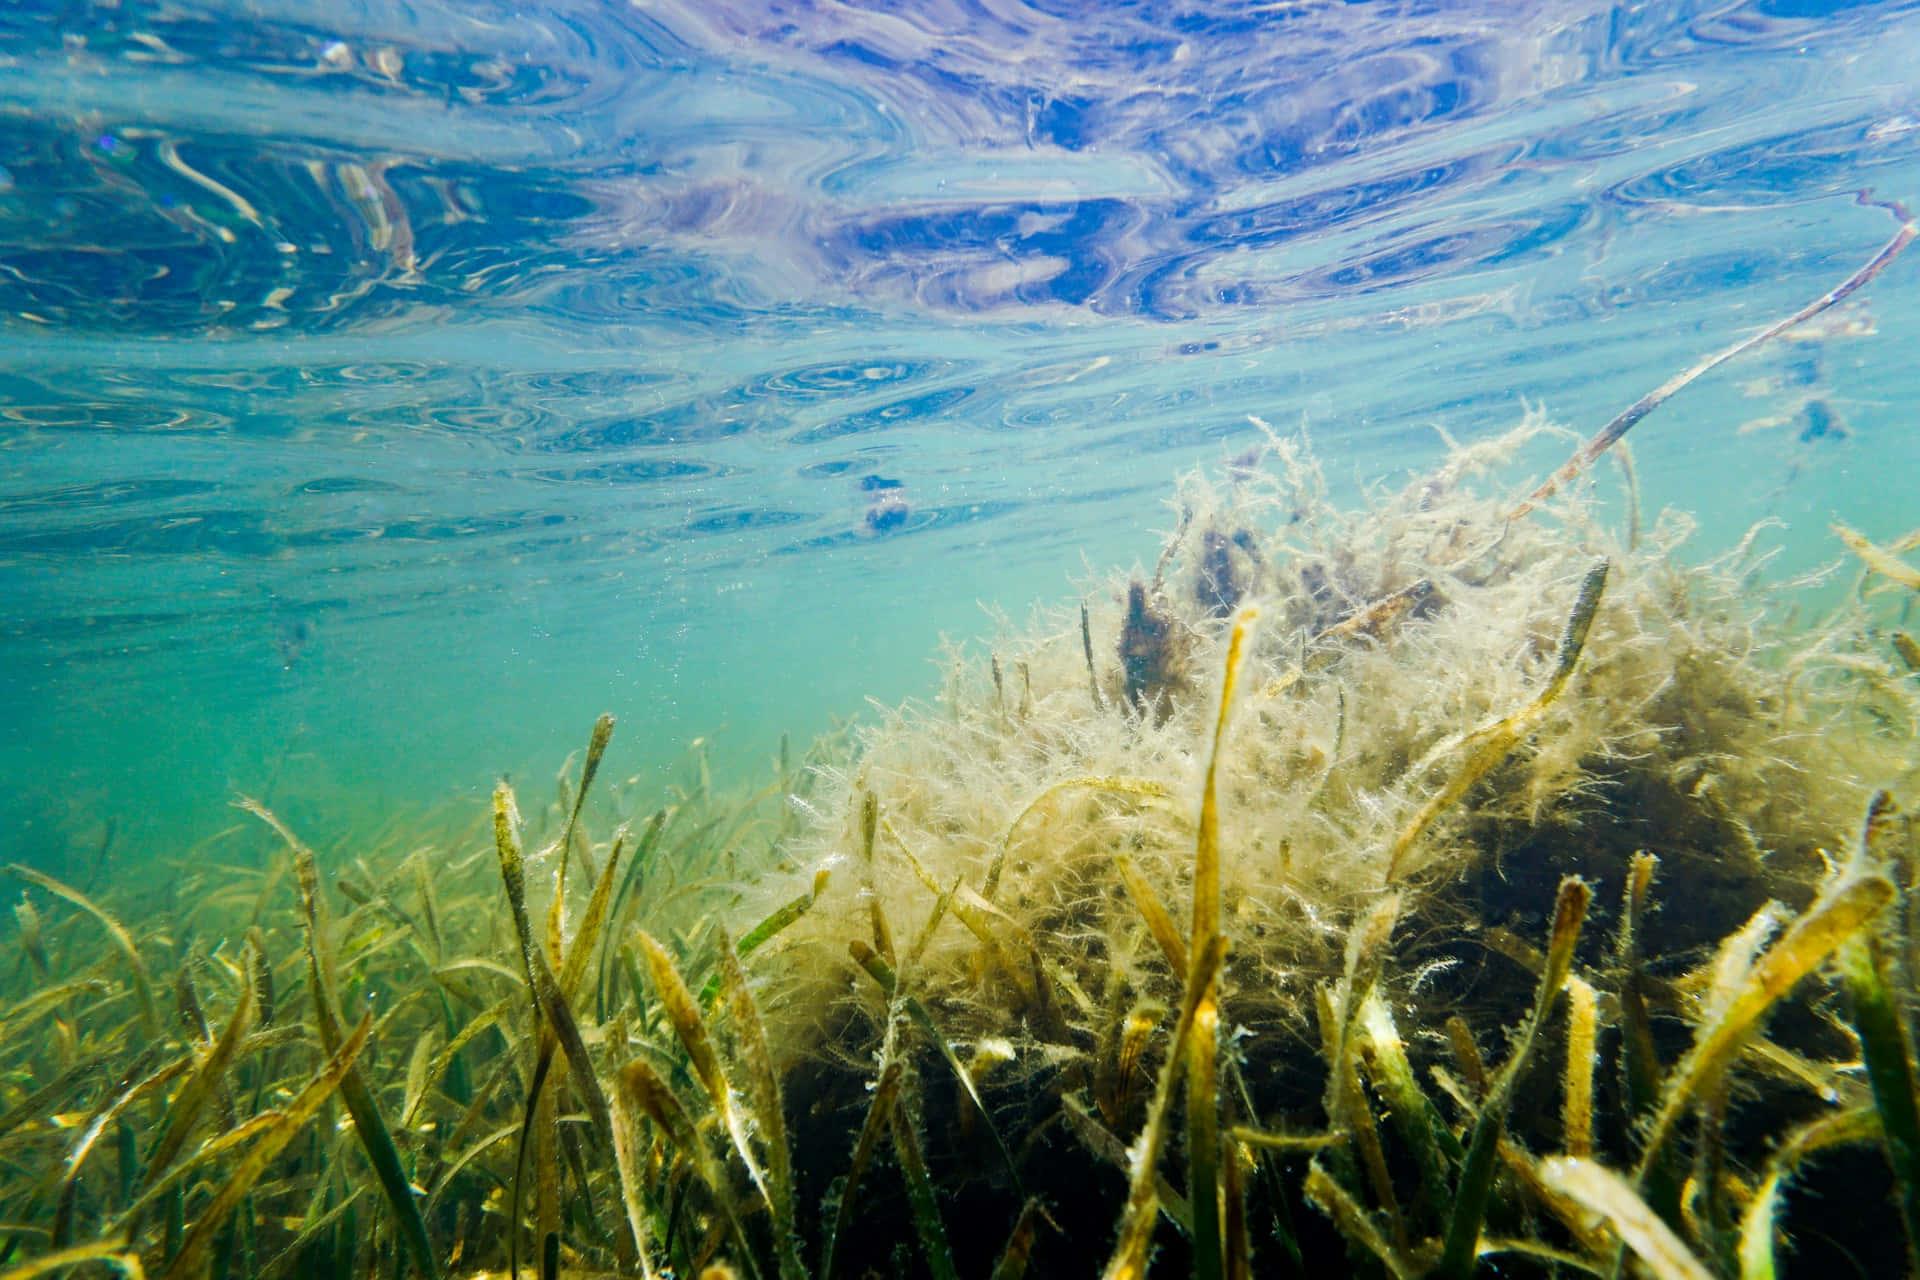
{"points": [[383, 396]]}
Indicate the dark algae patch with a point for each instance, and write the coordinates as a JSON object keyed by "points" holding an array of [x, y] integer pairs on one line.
{"points": [[1451, 887]]}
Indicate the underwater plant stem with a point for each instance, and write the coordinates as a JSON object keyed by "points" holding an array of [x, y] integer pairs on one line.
{"points": [[376, 1140], [1885, 1049], [506, 843], [884, 974], [643, 1090], [1435, 1150], [1352, 1220], [580, 949], [564, 1028], [1577, 1104], [1639, 1059], [921, 1197], [628, 1160], [136, 967], [538, 1121], [1610, 435], [1203, 1116], [1878, 559], [530, 1122], [556, 910], [1846, 904], [1476, 1175], [1154, 912], [636, 871], [1492, 744], [879, 1108], [1339, 1010], [1854, 1124], [1608, 1195], [781, 917], [125, 1261], [106, 1115], [1206, 858], [1019, 1248], [691, 1029], [1129, 1260], [1630, 475], [1203, 1141], [768, 1108], [287, 1123], [193, 1096]]}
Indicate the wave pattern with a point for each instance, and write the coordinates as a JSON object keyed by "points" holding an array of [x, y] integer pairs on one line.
{"points": [[331, 307]]}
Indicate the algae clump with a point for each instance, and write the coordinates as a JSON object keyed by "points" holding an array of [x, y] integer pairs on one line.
{"points": [[1441, 716]]}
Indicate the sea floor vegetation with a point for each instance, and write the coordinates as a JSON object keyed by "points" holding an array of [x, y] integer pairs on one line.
{"points": [[1410, 890], [1447, 886]]}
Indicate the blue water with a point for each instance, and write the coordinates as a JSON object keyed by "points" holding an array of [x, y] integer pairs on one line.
{"points": [[384, 395]]}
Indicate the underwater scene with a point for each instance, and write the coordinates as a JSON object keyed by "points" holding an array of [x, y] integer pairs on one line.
{"points": [[797, 639]]}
